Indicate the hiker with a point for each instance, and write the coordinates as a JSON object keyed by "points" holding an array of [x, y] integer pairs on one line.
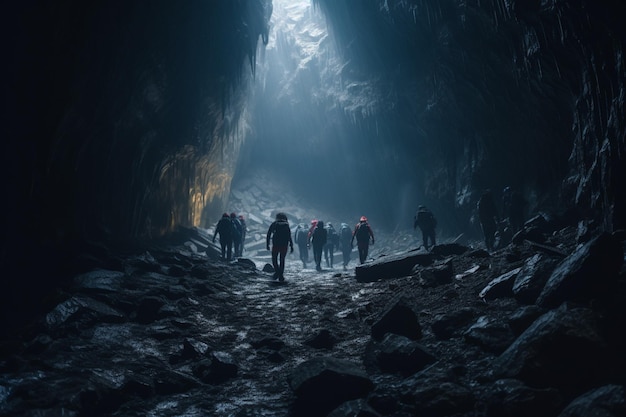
{"points": [[332, 241], [318, 240], [237, 233], [224, 228], [301, 238], [244, 231], [488, 217], [280, 234], [426, 221], [362, 233], [513, 208], [345, 238]]}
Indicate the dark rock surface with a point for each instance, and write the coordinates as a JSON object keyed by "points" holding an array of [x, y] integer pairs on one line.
{"points": [[176, 332]]}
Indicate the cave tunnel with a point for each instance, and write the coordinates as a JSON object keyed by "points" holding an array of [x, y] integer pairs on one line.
{"points": [[128, 120]]}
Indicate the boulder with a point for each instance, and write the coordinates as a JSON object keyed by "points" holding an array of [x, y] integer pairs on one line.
{"points": [[399, 354], [392, 266], [605, 401], [500, 286], [322, 384], [400, 319], [589, 272]]}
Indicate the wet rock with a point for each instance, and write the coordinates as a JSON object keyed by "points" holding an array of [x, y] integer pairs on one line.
{"points": [[79, 312], [148, 309], [356, 408], [512, 398], [402, 355], [268, 268], [322, 384], [436, 275], [168, 382], [400, 319], [217, 369], [606, 401], [562, 349], [432, 393], [521, 319], [272, 343], [589, 272], [99, 281], [392, 266], [448, 249], [444, 326], [532, 278], [322, 340], [501, 286], [491, 335]]}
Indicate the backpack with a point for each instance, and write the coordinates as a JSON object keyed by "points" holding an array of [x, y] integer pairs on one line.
{"points": [[425, 219], [363, 232], [332, 236], [237, 229], [301, 235], [281, 233]]}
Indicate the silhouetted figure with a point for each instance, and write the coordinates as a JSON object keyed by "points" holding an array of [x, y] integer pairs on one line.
{"points": [[488, 216], [280, 234], [301, 238], [345, 238], [244, 231], [224, 228], [237, 233], [318, 240], [426, 221], [362, 234], [332, 241], [513, 209]]}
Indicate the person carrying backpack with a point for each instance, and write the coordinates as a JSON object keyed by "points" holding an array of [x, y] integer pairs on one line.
{"points": [[318, 240], [225, 229], [301, 238], [426, 221], [237, 233], [345, 241], [362, 234], [244, 231], [280, 234], [332, 241]]}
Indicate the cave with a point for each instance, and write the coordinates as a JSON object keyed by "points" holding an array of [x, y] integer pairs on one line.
{"points": [[130, 124]]}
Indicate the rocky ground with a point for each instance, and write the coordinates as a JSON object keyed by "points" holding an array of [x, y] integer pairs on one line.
{"points": [[167, 329]]}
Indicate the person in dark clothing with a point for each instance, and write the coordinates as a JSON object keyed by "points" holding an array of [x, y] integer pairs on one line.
{"points": [[426, 221], [224, 228], [244, 231], [513, 209], [237, 233], [488, 217], [318, 240], [345, 237], [301, 238], [280, 234], [362, 233], [332, 241]]}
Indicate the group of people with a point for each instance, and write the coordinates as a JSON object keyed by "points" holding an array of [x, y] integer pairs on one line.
{"points": [[232, 231], [323, 238]]}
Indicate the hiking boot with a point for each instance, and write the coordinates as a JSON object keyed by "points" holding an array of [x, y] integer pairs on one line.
{"points": [[281, 278]]}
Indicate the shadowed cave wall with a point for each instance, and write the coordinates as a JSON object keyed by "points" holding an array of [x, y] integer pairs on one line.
{"points": [[126, 120]]}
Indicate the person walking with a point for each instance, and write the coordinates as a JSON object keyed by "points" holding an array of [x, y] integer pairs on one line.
{"points": [[301, 238], [318, 240], [244, 231], [224, 228], [345, 240], [332, 241], [237, 234], [426, 221], [488, 217], [280, 235], [362, 233]]}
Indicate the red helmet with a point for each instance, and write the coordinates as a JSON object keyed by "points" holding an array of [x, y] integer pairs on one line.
{"points": [[363, 218], [314, 221], [225, 215]]}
